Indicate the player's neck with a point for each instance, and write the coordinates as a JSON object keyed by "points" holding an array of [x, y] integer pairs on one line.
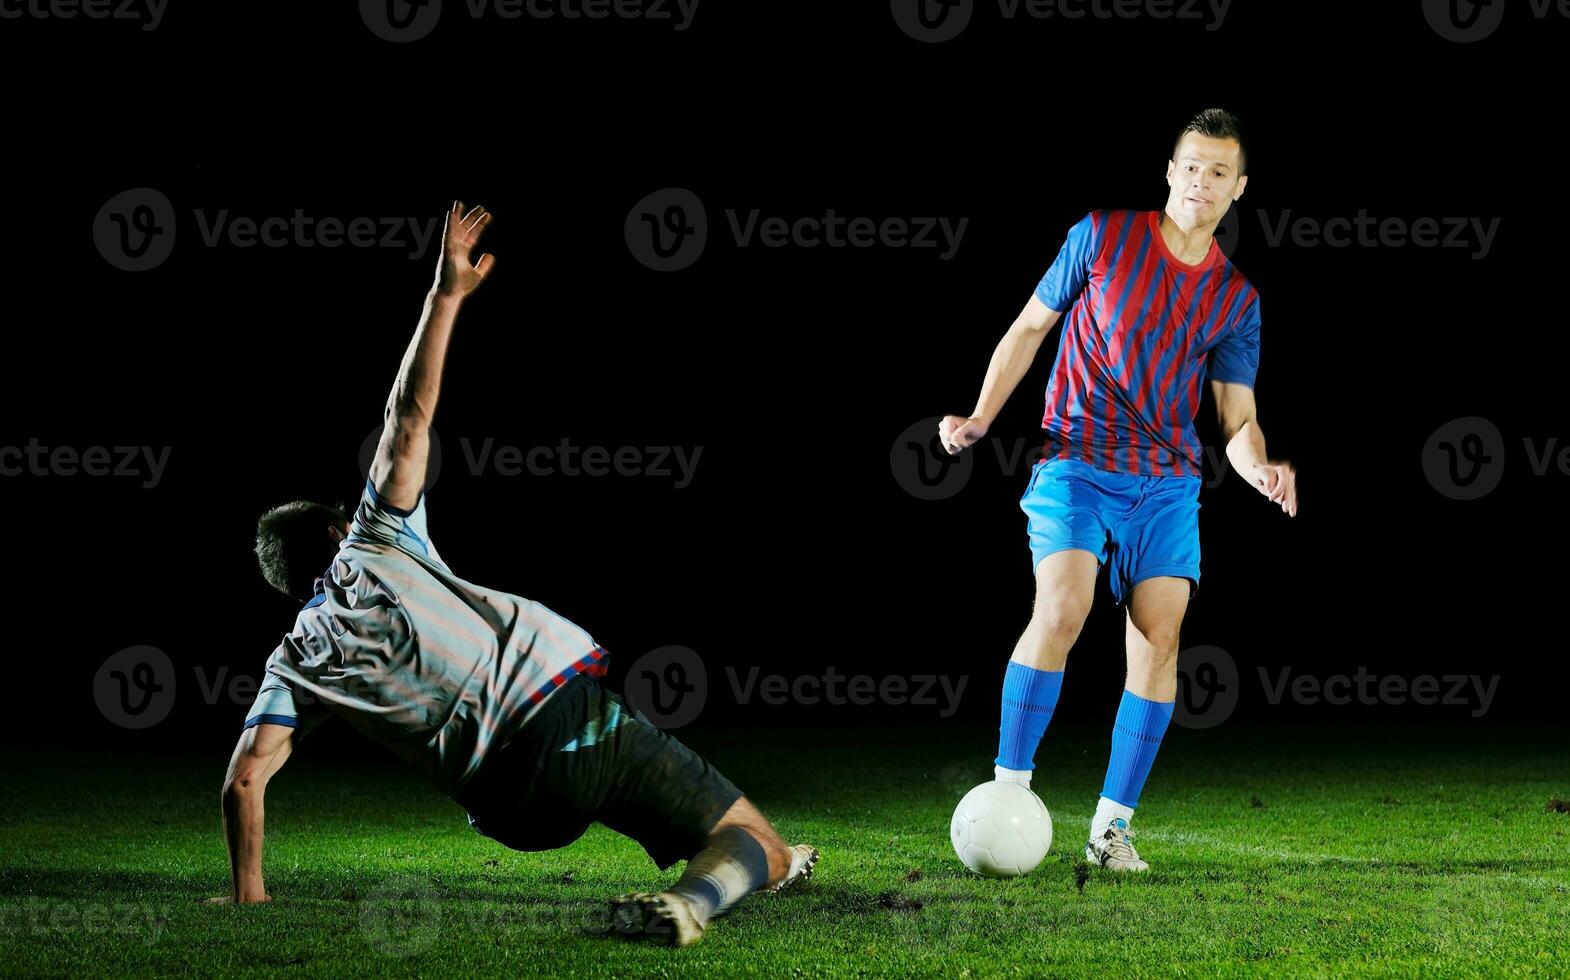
{"points": [[1190, 245]]}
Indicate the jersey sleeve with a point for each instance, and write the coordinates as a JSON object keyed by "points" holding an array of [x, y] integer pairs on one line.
{"points": [[1235, 358], [376, 519], [1064, 281], [279, 703]]}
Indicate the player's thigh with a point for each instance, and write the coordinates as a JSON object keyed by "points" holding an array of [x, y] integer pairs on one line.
{"points": [[541, 791], [1155, 615], [662, 794], [1159, 538], [1065, 509], [1065, 587], [534, 804]]}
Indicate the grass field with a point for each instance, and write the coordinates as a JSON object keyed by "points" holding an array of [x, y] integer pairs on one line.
{"points": [[1325, 851]]}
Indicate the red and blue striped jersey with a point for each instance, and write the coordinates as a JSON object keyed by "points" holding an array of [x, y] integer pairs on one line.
{"points": [[1142, 330]]}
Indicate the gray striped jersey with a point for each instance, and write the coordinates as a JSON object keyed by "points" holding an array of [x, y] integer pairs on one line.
{"points": [[433, 666]]}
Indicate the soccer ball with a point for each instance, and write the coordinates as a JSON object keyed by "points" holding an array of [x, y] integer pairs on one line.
{"points": [[1001, 829]]}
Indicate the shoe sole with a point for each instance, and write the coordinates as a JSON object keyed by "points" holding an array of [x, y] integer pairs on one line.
{"points": [[648, 916]]}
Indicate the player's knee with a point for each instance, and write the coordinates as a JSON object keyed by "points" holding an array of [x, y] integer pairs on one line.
{"points": [[1158, 646], [1059, 616]]}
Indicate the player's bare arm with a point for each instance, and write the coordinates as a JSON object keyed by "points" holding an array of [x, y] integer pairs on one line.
{"points": [[260, 752], [1010, 361], [398, 467], [1245, 442]]}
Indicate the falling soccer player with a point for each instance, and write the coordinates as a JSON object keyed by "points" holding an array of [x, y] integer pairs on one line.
{"points": [[1153, 307], [493, 697]]}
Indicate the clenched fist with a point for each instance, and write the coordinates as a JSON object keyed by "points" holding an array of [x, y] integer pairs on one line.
{"points": [[959, 433]]}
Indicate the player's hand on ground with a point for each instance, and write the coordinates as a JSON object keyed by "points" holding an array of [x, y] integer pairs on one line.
{"points": [[231, 900], [456, 275], [960, 433], [1278, 481]]}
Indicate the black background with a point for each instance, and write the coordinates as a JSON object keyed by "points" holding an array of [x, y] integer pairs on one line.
{"points": [[795, 547]]}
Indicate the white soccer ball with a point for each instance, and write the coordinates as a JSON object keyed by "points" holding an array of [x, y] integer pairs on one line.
{"points": [[1001, 829]]}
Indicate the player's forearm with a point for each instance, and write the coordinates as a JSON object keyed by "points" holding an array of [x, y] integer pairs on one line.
{"points": [[1010, 361], [243, 821], [1246, 449], [414, 394]]}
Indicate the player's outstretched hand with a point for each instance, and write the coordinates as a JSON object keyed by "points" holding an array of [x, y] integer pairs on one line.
{"points": [[455, 274], [1278, 481], [959, 433]]}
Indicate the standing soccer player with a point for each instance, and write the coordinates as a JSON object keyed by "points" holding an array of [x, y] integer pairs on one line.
{"points": [[1153, 307]]}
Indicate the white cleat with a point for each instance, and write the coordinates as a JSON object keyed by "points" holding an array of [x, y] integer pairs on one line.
{"points": [[665, 917], [1114, 848], [803, 857]]}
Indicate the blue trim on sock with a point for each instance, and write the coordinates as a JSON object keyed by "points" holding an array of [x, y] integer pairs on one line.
{"points": [[701, 890], [1029, 697], [1136, 737], [745, 850]]}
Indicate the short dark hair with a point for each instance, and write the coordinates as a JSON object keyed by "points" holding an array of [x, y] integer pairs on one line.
{"points": [[1217, 124], [293, 547]]}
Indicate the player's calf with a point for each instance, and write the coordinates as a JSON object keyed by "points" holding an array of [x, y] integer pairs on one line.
{"points": [[744, 816], [788, 863]]}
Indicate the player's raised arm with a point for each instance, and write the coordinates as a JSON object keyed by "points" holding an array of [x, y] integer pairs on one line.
{"points": [[262, 749], [1012, 358], [1245, 445], [398, 468]]}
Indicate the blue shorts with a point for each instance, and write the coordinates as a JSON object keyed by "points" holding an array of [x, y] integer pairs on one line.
{"points": [[1146, 525]]}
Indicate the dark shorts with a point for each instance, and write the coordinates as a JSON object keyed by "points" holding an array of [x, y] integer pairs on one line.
{"points": [[584, 758]]}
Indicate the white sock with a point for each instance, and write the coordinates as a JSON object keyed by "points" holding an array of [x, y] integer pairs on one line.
{"points": [[1107, 811], [1002, 775]]}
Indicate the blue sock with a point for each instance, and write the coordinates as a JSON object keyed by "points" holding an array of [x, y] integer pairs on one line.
{"points": [[1029, 695], [1136, 735]]}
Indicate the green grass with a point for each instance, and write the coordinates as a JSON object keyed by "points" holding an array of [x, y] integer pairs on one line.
{"points": [[1285, 852]]}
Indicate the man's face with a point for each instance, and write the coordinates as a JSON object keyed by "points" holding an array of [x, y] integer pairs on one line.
{"points": [[1204, 178]]}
